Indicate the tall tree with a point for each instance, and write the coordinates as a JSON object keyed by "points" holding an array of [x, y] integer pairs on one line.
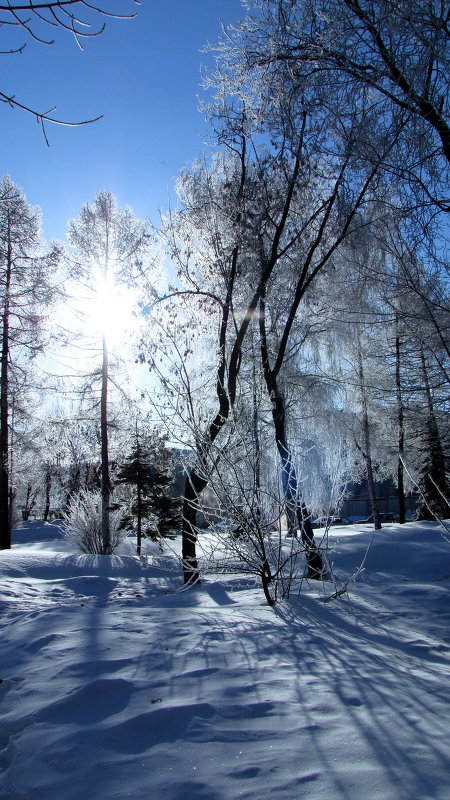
{"points": [[109, 246], [211, 244], [338, 176], [281, 228], [227, 243], [26, 291]]}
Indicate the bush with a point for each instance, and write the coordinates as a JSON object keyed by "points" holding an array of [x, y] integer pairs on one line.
{"points": [[83, 524]]}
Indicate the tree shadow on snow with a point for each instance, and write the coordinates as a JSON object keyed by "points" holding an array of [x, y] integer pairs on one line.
{"points": [[390, 694]]}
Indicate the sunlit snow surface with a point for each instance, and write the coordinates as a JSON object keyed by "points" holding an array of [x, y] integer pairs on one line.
{"points": [[116, 684]]}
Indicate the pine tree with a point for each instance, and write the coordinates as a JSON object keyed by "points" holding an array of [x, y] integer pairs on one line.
{"points": [[148, 470]]}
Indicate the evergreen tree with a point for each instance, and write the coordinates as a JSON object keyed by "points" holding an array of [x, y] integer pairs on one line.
{"points": [[148, 469]]}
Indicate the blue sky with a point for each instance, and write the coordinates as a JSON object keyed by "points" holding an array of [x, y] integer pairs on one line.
{"points": [[144, 76]]}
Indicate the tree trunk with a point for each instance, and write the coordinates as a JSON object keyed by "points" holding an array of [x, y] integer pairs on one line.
{"points": [[371, 486], [194, 485], [367, 446], [296, 512], [29, 502], [434, 484], [139, 513], [48, 488], [400, 432], [106, 482], [256, 445], [266, 580], [5, 505]]}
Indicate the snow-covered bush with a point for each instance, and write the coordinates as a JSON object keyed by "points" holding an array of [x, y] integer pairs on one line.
{"points": [[244, 511], [83, 524]]}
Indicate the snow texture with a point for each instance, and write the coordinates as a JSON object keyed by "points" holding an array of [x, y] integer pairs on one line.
{"points": [[117, 683]]}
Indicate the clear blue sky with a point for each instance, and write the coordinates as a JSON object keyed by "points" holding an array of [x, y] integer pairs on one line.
{"points": [[143, 75]]}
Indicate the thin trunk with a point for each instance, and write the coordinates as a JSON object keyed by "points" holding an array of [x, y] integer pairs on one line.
{"points": [[105, 488], [29, 502], [105, 478], [256, 444], [139, 498], [266, 580], [400, 432], [139, 520], [434, 481], [266, 573], [48, 488], [194, 484], [297, 514], [367, 446], [5, 506]]}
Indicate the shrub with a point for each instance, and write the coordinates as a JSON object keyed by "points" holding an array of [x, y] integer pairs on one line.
{"points": [[83, 524]]}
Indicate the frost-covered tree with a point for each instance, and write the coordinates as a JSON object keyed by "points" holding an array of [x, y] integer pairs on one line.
{"points": [[26, 294], [204, 242], [241, 222], [416, 292], [109, 247], [392, 55], [338, 178], [425, 403]]}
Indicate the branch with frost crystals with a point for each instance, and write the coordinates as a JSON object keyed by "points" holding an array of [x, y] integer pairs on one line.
{"points": [[344, 588]]}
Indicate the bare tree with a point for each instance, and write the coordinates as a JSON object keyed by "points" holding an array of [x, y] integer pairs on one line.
{"points": [[34, 21], [338, 178], [227, 243]]}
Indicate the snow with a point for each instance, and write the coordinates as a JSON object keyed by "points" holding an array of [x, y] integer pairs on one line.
{"points": [[118, 683]]}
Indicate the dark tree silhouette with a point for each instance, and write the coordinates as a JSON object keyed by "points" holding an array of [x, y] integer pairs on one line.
{"points": [[149, 470]]}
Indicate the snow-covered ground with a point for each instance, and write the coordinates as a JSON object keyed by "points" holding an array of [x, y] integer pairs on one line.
{"points": [[117, 683]]}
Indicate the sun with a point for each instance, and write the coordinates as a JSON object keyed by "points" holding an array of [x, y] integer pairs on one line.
{"points": [[108, 312]]}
